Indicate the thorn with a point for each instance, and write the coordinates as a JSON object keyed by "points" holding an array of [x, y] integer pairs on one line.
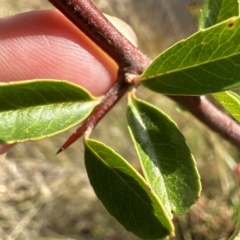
{"points": [[60, 150], [118, 90], [80, 131], [72, 139]]}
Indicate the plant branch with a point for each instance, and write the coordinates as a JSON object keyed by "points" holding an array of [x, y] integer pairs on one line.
{"points": [[212, 117], [85, 16]]}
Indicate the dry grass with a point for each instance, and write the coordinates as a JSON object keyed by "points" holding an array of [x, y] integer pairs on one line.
{"points": [[48, 197]]}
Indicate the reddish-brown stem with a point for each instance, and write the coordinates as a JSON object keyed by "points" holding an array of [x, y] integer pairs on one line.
{"points": [[215, 119], [86, 16], [92, 22]]}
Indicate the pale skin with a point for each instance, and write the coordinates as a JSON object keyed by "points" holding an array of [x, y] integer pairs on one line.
{"points": [[44, 44]]}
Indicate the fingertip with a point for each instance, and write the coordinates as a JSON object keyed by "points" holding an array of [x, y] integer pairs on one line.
{"points": [[44, 44]]}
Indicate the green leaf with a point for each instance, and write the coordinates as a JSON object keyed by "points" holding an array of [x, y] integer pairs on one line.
{"points": [[35, 109], [206, 62], [216, 11], [166, 160], [124, 193], [236, 233], [230, 101]]}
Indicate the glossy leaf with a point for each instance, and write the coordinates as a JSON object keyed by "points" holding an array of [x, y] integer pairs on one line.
{"points": [[230, 101], [124, 193], [216, 11], [213, 13], [206, 62], [166, 160], [40, 108]]}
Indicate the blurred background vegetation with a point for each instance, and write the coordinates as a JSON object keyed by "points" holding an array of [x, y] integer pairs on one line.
{"points": [[44, 196]]}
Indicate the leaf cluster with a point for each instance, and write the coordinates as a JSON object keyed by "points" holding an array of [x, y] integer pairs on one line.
{"points": [[205, 63]]}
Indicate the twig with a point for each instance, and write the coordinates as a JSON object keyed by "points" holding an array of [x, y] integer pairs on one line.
{"points": [[85, 15], [215, 119]]}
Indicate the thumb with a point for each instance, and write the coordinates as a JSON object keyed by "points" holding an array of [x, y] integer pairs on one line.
{"points": [[44, 44]]}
